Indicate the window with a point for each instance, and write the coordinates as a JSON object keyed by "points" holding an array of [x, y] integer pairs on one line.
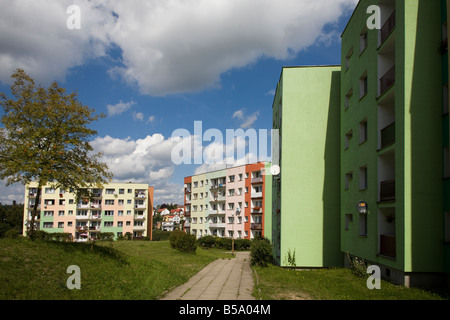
{"points": [[48, 225], [363, 224], [230, 206], [60, 224], [347, 59], [348, 219], [231, 178], [109, 212], [231, 192], [363, 41], [109, 202], [363, 178], [363, 85], [70, 201], [240, 176], [348, 96], [121, 191], [130, 190], [195, 184], [62, 202], [363, 131], [48, 213], [120, 202], [110, 191], [348, 178], [60, 213], [120, 213], [108, 224], [49, 190], [69, 224], [348, 137]]}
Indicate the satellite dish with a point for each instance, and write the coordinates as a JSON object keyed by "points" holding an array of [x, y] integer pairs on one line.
{"points": [[362, 207]]}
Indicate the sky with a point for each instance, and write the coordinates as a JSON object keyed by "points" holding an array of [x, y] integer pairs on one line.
{"points": [[156, 67]]}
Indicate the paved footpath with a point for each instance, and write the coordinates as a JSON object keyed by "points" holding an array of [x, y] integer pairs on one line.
{"points": [[223, 279]]}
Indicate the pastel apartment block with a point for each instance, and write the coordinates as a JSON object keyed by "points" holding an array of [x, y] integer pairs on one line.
{"points": [[227, 203], [119, 208]]}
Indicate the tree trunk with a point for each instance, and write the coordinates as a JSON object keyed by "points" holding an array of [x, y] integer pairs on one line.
{"points": [[34, 212]]}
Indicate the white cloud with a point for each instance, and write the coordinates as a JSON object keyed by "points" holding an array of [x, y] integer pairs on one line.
{"points": [[119, 108], [146, 160], [246, 121], [167, 46], [139, 116]]}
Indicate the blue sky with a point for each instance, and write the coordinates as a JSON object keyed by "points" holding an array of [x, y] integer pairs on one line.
{"points": [[154, 67]]}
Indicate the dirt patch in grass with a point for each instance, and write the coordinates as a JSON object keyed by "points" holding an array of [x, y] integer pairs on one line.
{"points": [[292, 296]]}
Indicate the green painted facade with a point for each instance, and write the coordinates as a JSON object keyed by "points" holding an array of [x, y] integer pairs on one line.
{"points": [[392, 138], [305, 211]]}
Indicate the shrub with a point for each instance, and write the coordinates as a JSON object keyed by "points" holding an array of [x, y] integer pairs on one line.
{"points": [[105, 236], [38, 235], [358, 266], [242, 244], [12, 233], [183, 242], [261, 253], [58, 236], [207, 242]]}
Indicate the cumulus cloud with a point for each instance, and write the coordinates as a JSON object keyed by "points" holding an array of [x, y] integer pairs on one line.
{"points": [[246, 121], [167, 46], [146, 160], [119, 108]]}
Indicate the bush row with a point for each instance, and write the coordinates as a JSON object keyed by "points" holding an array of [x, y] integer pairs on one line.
{"points": [[224, 243]]}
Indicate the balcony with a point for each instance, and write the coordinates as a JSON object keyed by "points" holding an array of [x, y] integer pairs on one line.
{"points": [[139, 217], [257, 180], [139, 194], [387, 245], [387, 80], [387, 190], [218, 185], [257, 210], [256, 226], [217, 225], [387, 28], [82, 217], [139, 206], [139, 227], [81, 228], [95, 216], [388, 135], [256, 194], [94, 228]]}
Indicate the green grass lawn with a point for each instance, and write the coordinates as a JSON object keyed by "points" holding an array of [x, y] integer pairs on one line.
{"points": [[137, 270], [275, 283]]}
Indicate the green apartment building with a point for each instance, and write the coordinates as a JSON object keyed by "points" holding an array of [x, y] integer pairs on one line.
{"points": [[394, 132], [375, 130], [306, 194]]}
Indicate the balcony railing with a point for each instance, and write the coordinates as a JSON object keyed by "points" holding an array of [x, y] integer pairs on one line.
{"points": [[387, 245], [387, 80], [257, 180], [256, 226], [256, 194], [388, 135], [387, 190], [387, 28], [256, 210]]}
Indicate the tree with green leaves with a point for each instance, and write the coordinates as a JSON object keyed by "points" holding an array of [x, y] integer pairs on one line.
{"points": [[45, 138]]}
